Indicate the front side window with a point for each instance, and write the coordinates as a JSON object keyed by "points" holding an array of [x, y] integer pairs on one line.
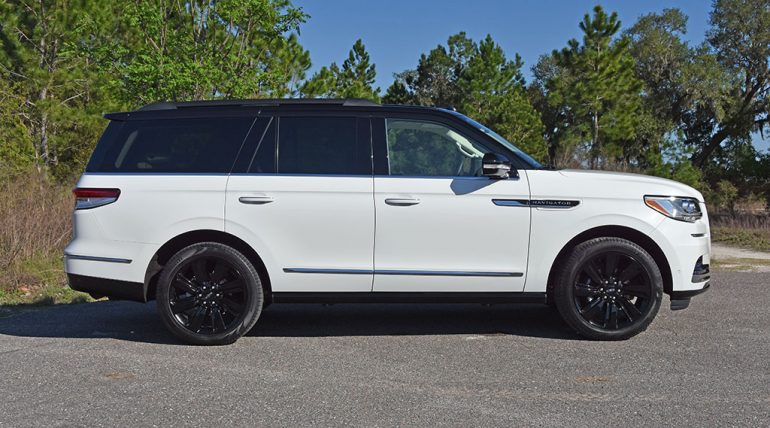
{"points": [[422, 148], [322, 145]]}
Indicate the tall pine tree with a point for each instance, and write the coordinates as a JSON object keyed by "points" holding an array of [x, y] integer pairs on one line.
{"points": [[598, 87], [355, 79], [480, 81]]}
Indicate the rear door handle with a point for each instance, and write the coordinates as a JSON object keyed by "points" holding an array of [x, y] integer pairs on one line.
{"points": [[255, 200], [402, 202]]}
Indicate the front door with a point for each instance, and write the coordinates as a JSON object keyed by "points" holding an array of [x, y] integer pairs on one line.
{"points": [[440, 225]]}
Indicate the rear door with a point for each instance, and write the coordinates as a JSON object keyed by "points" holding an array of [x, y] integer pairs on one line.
{"points": [[303, 200], [441, 226]]}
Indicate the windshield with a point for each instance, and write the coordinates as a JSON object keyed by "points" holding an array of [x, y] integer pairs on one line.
{"points": [[497, 137]]}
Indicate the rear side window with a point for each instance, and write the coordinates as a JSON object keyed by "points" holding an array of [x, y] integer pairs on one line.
{"points": [[322, 145], [200, 145]]}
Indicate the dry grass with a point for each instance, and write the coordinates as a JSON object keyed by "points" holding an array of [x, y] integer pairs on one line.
{"points": [[743, 230], [34, 228]]}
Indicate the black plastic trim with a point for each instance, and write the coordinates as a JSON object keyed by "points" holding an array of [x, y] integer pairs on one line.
{"points": [[112, 288], [397, 297], [686, 294]]}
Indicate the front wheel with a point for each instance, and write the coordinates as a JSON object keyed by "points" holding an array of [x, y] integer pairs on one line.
{"points": [[609, 289], [209, 294]]}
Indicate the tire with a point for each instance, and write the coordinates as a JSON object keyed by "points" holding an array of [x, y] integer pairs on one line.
{"points": [[608, 289], [209, 294]]}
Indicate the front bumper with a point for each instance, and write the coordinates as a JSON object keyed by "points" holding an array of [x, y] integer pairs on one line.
{"points": [[681, 299]]}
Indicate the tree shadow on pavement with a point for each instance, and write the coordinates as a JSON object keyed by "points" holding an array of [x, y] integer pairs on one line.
{"points": [[140, 322]]}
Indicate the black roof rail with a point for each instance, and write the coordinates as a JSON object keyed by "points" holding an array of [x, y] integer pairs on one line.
{"points": [[354, 102]]}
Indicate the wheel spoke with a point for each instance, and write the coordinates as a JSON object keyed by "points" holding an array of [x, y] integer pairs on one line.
{"points": [[584, 290], [197, 319], [232, 286], [590, 309], [220, 271], [201, 271], [632, 312], [217, 322], [592, 272], [614, 316], [630, 272], [638, 290], [185, 284], [610, 264], [232, 306], [607, 313], [183, 305]]}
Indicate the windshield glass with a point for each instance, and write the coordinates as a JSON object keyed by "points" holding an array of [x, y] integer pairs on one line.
{"points": [[497, 137]]}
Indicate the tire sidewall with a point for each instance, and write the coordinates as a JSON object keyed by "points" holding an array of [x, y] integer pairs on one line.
{"points": [[252, 306], [564, 290]]}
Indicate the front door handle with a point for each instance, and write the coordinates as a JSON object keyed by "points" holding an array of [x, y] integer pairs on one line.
{"points": [[402, 202], [255, 200]]}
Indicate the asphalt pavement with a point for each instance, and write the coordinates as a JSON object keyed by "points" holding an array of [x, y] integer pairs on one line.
{"points": [[113, 364]]}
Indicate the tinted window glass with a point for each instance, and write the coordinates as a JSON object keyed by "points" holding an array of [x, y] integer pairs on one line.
{"points": [[430, 149], [249, 147], [263, 161], [201, 145], [322, 145]]}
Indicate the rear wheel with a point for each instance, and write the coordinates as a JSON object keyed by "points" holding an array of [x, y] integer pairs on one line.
{"points": [[609, 289], [209, 294]]}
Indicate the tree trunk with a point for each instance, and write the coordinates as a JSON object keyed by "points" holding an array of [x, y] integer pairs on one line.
{"points": [[595, 141], [700, 157]]}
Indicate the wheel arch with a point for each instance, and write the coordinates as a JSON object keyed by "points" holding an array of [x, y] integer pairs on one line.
{"points": [[633, 235], [172, 246]]}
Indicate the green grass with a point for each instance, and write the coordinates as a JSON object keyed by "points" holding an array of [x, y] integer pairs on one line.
{"points": [[37, 281], [754, 239]]}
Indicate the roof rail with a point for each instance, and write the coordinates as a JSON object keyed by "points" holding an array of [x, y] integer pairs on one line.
{"points": [[350, 102]]}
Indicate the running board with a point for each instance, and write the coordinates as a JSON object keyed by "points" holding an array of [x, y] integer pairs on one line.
{"points": [[395, 297]]}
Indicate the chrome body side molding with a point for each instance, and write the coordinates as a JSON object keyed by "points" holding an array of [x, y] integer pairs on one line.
{"points": [[401, 272]]}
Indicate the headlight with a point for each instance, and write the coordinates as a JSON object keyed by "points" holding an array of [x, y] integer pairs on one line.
{"points": [[683, 209]]}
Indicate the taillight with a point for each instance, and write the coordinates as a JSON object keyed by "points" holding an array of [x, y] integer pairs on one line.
{"points": [[91, 198]]}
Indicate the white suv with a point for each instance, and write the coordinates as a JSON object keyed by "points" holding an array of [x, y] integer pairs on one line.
{"points": [[218, 209]]}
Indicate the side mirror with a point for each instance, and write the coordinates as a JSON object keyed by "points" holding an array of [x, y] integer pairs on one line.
{"points": [[497, 166]]}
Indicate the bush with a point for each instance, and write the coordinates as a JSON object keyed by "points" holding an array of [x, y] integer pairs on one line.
{"points": [[34, 228]]}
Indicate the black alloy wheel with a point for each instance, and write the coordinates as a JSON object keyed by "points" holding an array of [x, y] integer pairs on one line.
{"points": [[608, 289], [612, 290], [209, 294]]}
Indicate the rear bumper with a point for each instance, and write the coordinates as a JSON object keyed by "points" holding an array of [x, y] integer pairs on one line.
{"points": [[112, 288]]}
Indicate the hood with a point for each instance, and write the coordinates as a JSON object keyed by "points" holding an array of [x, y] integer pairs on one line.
{"points": [[628, 183]]}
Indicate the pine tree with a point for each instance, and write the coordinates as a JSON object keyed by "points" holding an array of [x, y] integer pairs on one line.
{"points": [[599, 88], [493, 93], [355, 79]]}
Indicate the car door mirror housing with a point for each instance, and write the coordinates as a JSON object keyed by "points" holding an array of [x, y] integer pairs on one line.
{"points": [[497, 166]]}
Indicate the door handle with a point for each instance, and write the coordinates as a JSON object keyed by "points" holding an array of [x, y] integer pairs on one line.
{"points": [[402, 202], [255, 200]]}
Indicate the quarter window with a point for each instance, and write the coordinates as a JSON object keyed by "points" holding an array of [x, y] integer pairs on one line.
{"points": [[422, 148], [202, 145], [322, 145]]}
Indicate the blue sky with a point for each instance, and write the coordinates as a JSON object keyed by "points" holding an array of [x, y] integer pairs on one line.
{"points": [[396, 32]]}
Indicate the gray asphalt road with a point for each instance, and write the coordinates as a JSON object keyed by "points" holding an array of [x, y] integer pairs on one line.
{"points": [[112, 363]]}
